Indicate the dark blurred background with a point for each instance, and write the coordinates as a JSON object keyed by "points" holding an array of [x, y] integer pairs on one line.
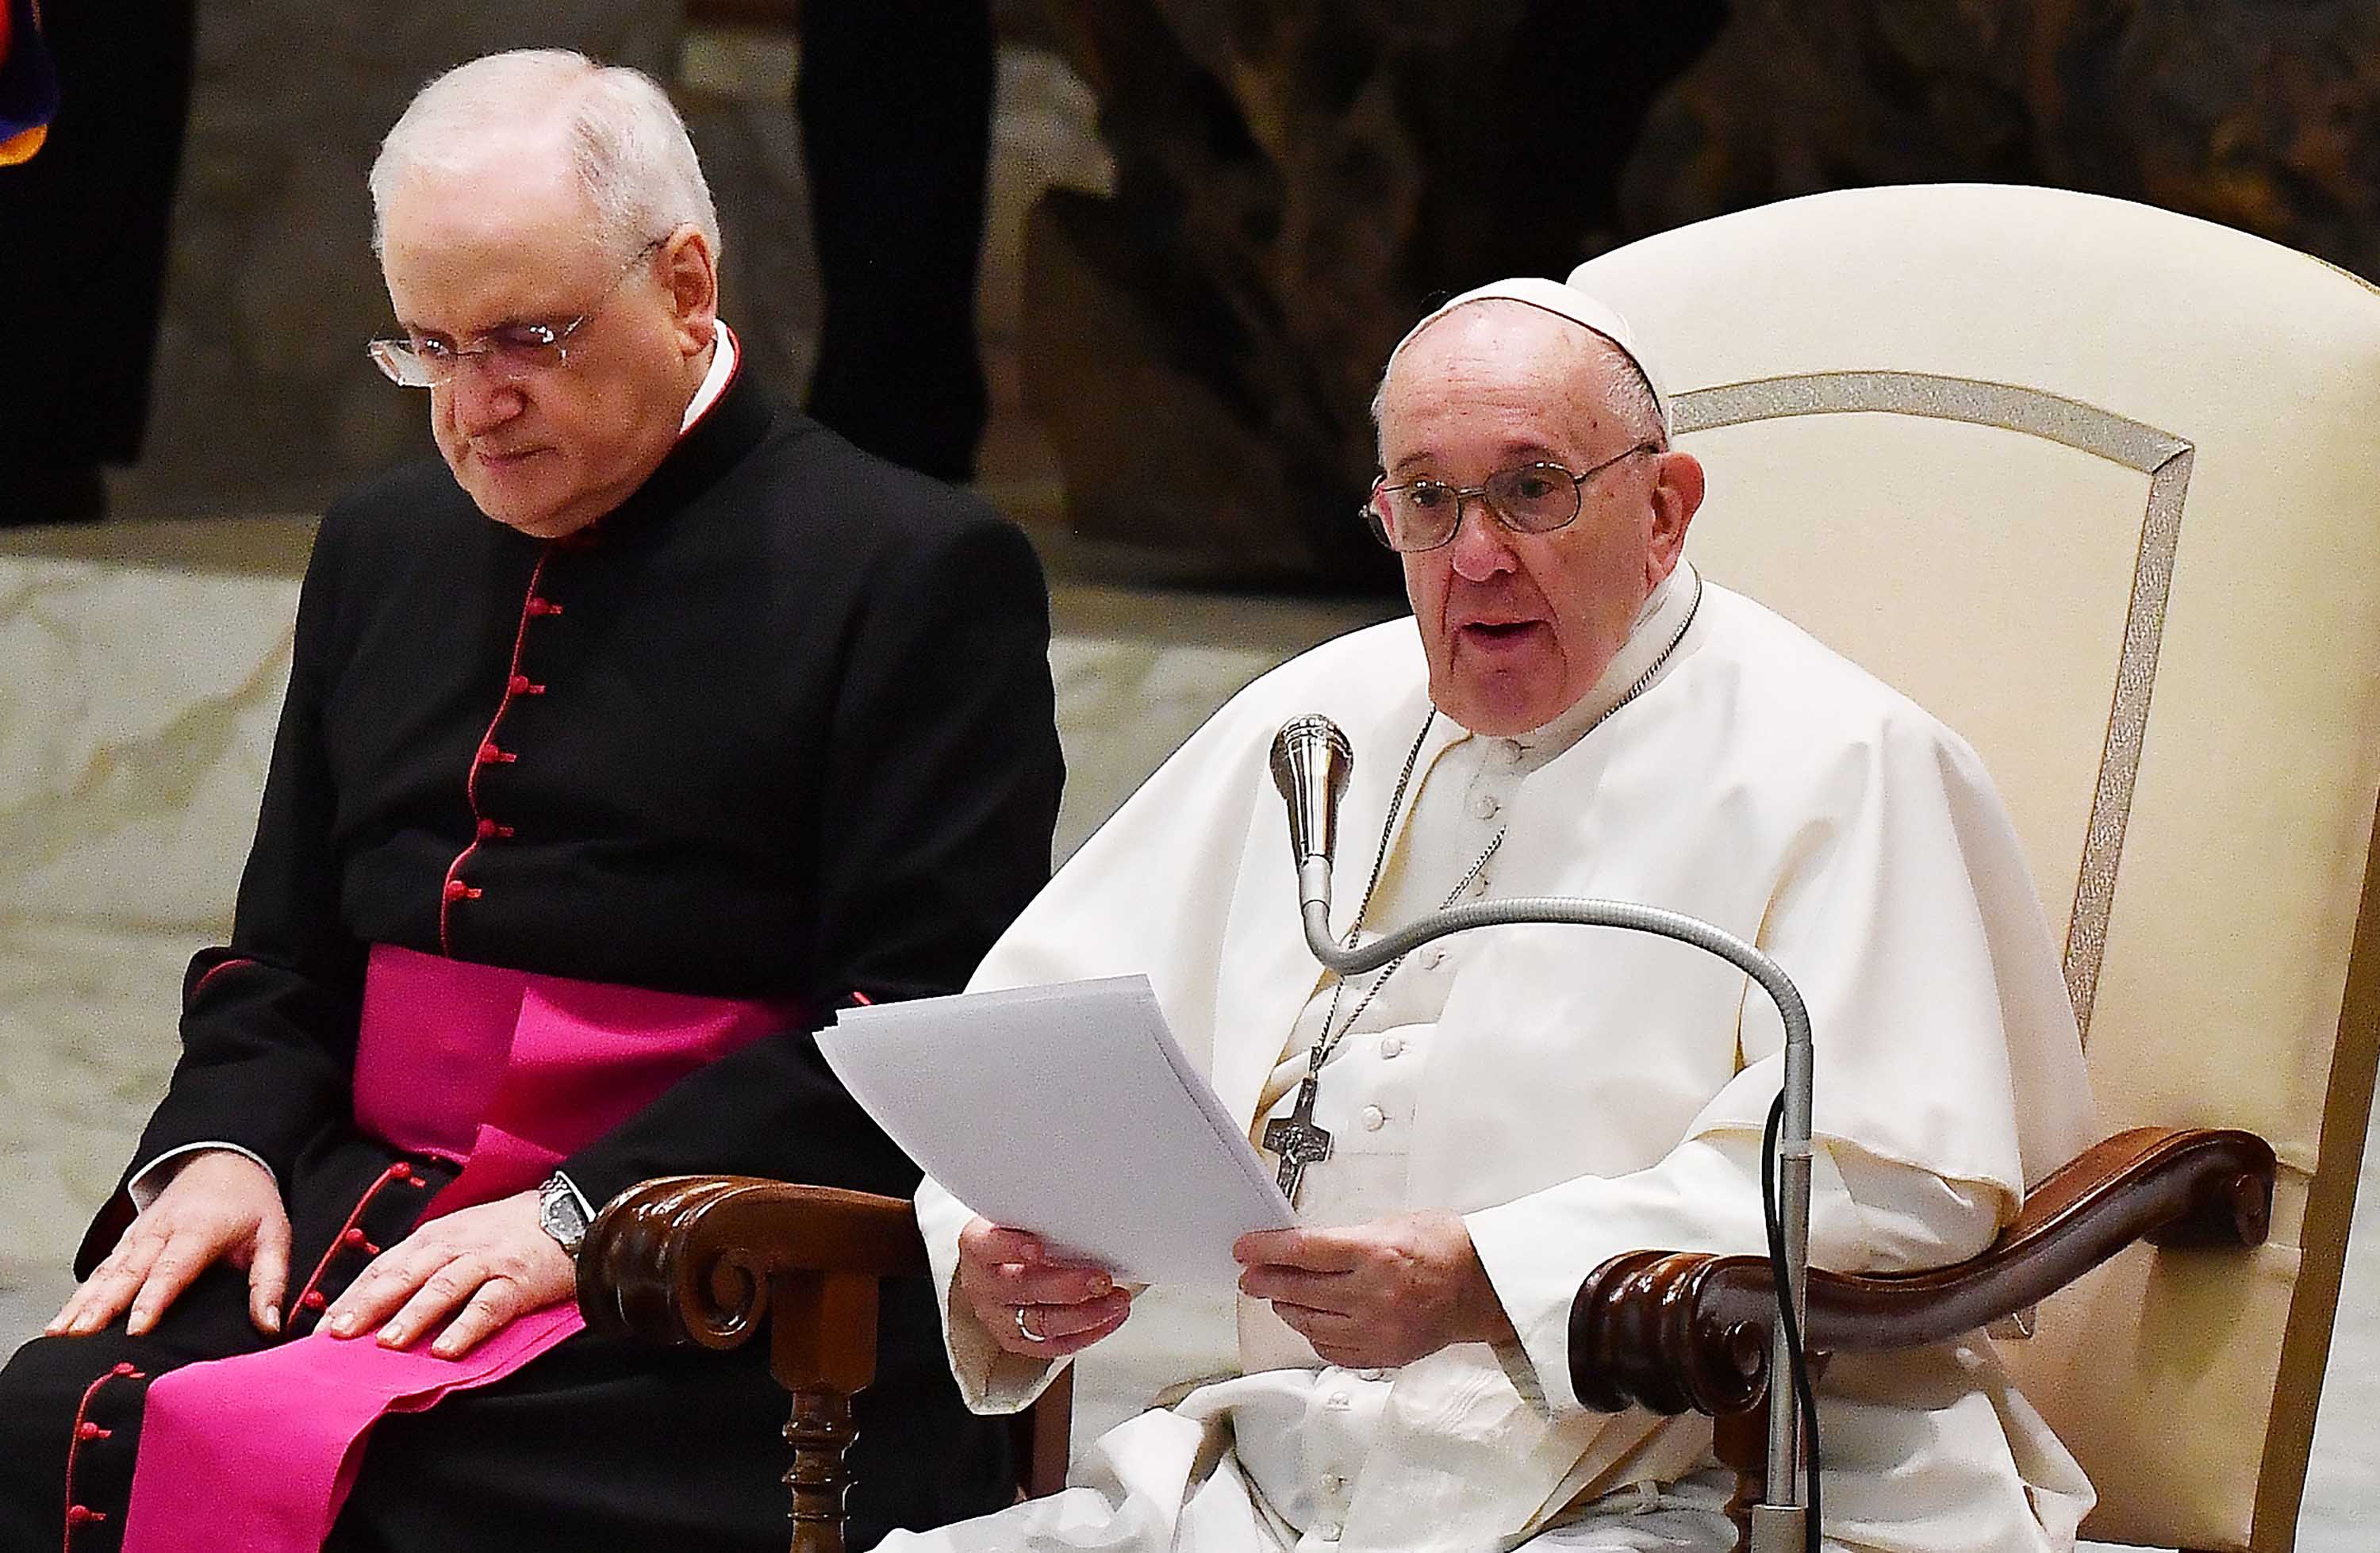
{"points": [[1207, 220]]}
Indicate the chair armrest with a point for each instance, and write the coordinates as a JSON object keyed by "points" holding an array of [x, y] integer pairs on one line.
{"points": [[689, 1258], [1678, 1333]]}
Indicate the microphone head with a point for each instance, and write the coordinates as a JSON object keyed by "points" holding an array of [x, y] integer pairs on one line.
{"points": [[1311, 760]]}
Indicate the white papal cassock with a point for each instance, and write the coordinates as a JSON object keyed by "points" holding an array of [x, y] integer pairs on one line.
{"points": [[1576, 1093]]}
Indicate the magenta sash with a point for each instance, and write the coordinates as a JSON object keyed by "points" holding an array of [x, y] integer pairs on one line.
{"points": [[506, 1073]]}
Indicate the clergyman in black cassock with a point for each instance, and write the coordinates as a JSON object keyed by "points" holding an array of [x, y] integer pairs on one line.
{"points": [[777, 727]]}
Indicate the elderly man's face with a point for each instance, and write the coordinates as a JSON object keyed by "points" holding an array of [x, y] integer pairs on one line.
{"points": [[1517, 627], [467, 254]]}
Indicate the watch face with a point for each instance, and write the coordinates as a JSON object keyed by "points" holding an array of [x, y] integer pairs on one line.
{"points": [[558, 1215]]}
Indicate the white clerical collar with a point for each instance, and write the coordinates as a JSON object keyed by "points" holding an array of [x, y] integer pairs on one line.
{"points": [[1658, 625], [714, 381]]}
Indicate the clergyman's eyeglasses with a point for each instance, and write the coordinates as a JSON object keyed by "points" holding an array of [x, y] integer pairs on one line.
{"points": [[510, 353], [1527, 499]]}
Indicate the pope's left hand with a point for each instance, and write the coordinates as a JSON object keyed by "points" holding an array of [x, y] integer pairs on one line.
{"points": [[1382, 1293], [491, 1262]]}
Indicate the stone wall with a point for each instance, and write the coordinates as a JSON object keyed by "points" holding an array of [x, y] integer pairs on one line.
{"points": [[2264, 116]]}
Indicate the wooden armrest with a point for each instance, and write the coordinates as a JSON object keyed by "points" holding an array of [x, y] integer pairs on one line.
{"points": [[707, 1258], [689, 1258], [1689, 1332]]}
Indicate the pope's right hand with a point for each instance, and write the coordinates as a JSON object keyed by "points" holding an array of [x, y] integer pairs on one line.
{"points": [[1032, 1303], [220, 1205]]}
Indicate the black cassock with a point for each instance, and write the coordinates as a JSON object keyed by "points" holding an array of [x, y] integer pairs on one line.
{"points": [[779, 727]]}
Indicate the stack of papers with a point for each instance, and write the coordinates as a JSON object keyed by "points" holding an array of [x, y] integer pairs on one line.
{"points": [[1070, 1112]]}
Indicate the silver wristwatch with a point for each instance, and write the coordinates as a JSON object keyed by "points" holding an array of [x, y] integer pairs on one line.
{"points": [[562, 1212]]}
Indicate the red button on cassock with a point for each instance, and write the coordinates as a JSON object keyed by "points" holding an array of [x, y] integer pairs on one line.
{"points": [[486, 829], [314, 1299]]}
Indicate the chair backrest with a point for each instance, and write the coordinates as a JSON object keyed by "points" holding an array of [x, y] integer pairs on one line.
{"points": [[2099, 485]]}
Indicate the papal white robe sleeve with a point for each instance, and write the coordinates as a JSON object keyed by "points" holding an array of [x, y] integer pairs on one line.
{"points": [[1577, 1093]]}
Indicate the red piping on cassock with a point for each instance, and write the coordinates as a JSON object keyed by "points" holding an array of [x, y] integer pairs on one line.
{"points": [[515, 685], [79, 1514], [351, 1233]]}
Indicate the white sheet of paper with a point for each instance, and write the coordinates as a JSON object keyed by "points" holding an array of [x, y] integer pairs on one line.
{"points": [[1068, 1110]]}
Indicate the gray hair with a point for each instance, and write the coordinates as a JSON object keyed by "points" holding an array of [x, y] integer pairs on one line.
{"points": [[1630, 392], [626, 139]]}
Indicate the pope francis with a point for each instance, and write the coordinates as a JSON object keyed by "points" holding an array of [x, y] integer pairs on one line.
{"points": [[1570, 711]]}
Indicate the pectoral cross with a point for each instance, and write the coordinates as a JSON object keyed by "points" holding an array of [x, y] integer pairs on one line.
{"points": [[1296, 1139]]}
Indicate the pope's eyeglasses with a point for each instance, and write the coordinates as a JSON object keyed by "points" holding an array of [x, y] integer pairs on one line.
{"points": [[512, 353], [1527, 499]]}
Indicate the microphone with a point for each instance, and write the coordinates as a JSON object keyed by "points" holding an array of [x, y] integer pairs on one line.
{"points": [[1311, 761]]}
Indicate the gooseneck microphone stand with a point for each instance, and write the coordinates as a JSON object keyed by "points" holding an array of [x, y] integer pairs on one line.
{"points": [[1311, 761]]}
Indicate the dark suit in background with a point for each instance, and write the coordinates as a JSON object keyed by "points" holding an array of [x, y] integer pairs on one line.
{"points": [[895, 102], [82, 254]]}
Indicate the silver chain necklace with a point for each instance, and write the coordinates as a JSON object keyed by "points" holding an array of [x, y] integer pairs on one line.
{"points": [[1297, 1139]]}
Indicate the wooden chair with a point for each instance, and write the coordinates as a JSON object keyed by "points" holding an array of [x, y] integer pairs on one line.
{"points": [[714, 1259], [2043, 461]]}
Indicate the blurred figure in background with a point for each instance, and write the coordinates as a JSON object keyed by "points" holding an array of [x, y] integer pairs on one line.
{"points": [[82, 252], [895, 100]]}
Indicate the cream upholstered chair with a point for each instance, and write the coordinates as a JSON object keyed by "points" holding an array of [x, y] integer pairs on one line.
{"points": [[2099, 485]]}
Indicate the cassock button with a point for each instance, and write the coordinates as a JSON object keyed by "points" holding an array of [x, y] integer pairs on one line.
{"points": [[312, 1300], [1394, 1046], [487, 829], [1374, 1120], [1485, 807]]}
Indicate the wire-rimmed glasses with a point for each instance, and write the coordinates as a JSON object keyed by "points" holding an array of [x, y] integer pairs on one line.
{"points": [[1527, 499], [509, 353]]}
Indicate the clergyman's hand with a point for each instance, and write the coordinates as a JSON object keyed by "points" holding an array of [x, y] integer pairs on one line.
{"points": [[1031, 1304], [1383, 1294], [219, 1205], [491, 1262]]}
